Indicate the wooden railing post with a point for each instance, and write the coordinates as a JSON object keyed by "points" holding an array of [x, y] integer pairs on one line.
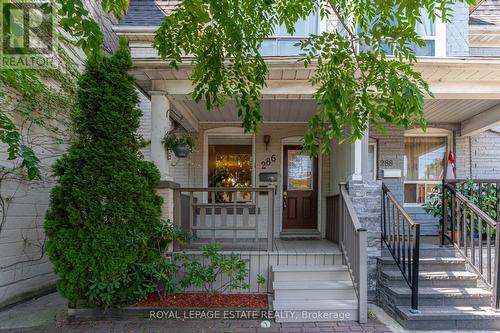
{"points": [[363, 277], [270, 219], [177, 214]]}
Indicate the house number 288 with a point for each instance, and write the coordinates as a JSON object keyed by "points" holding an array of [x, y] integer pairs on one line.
{"points": [[268, 161]]}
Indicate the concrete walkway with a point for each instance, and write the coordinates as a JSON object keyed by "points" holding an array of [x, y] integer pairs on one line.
{"points": [[48, 314]]}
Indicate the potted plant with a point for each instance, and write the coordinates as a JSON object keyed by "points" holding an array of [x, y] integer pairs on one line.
{"points": [[433, 206], [181, 145]]}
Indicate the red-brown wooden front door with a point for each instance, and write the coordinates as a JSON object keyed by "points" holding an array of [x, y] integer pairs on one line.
{"points": [[300, 189]]}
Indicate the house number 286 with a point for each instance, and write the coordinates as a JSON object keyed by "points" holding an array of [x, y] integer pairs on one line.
{"points": [[268, 161]]}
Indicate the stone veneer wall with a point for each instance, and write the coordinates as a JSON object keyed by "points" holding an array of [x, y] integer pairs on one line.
{"points": [[366, 198]]}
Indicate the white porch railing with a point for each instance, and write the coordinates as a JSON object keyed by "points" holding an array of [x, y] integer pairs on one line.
{"points": [[344, 228], [236, 217]]}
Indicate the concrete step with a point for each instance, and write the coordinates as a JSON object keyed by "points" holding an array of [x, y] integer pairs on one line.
{"points": [[443, 279], [313, 290], [310, 272], [311, 311], [465, 317], [429, 264], [439, 296]]}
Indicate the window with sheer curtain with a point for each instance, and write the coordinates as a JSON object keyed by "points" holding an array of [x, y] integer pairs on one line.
{"points": [[424, 166]]}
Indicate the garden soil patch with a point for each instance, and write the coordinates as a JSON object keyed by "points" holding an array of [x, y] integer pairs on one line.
{"points": [[200, 300]]}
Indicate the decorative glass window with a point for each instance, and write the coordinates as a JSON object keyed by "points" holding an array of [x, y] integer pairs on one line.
{"points": [[230, 165], [281, 43], [300, 171], [424, 166]]}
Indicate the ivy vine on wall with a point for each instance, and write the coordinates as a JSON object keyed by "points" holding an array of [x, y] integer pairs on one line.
{"points": [[35, 105]]}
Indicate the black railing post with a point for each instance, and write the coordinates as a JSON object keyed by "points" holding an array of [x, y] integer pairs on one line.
{"points": [[415, 264], [453, 221], [497, 203], [496, 285], [382, 220]]}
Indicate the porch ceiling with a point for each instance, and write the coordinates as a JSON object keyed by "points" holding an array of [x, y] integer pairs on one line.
{"points": [[300, 110], [464, 88], [273, 110], [456, 110]]}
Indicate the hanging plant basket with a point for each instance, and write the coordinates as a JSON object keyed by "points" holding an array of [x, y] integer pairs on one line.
{"points": [[181, 145], [181, 150]]}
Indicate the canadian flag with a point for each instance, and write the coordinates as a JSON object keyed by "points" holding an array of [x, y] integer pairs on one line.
{"points": [[450, 170]]}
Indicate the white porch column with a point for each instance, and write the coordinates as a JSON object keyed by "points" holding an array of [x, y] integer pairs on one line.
{"points": [[358, 163], [360, 152], [160, 124]]}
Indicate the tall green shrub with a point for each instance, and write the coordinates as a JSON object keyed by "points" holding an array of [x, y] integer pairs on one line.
{"points": [[103, 223]]}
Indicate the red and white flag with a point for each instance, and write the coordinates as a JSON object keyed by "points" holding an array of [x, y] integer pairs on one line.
{"points": [[450, 170]]}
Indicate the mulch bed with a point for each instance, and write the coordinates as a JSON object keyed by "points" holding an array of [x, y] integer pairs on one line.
{"points": [[200, 300]]}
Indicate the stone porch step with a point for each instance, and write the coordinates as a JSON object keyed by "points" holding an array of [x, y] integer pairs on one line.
{"points": [[436, 318], [440, 296], [433, 279], [429, 264]]}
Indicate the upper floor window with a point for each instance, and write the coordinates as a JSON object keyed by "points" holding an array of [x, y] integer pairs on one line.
{"points": [[283, 44], [427, 31]]}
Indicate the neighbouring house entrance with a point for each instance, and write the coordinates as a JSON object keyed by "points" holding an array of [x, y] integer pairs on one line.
{"points": [[300, 189]]}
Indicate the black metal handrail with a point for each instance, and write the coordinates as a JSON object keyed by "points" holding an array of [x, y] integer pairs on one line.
{"points": [[485, 193], [401, 235], [475, 234]]}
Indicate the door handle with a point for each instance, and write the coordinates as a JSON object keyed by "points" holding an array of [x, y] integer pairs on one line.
{"points": [[285, 201]]}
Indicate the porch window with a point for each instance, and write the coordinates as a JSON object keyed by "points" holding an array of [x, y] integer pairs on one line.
{"points": [[230, 165], [281, 43], [424, 166]]}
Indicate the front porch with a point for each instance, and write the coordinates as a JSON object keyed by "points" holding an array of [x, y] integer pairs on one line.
{"points": [[251, 210]]}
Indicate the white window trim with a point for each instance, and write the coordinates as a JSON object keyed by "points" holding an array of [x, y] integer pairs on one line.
{"points": [[430, 132], [229, 132], [440, 38]]}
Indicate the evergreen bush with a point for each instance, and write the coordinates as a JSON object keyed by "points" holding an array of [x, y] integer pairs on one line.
{"points": [[103, 223]]}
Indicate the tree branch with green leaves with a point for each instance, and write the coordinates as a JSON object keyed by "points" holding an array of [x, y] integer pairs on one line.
{"points": [[363, 70]]}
